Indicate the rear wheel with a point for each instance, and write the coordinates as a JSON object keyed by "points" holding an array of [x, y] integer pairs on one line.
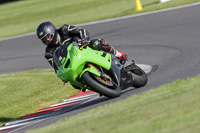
{"points": [[105, 87], [140, 77]]}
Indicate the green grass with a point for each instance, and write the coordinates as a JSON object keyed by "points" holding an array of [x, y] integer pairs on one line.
{"points": [[24, 16], [172, 108], [25, 93]]}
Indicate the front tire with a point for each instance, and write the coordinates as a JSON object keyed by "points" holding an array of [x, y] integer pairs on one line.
{"points": [[109, 91]]}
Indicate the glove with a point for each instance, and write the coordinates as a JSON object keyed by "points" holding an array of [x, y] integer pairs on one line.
{"points": [[85, 40]]}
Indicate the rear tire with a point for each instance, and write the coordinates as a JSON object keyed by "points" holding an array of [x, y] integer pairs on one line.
{"points": [[109, 91], [140, 77]]}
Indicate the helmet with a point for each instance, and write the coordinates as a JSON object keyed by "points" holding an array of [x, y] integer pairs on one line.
{"points": [[48, 34]]}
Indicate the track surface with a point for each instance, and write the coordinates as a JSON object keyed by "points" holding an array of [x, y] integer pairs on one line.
{"points": [[170, 40]]}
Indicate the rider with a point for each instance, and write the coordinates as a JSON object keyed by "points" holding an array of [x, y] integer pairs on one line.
{"points": [[54, 37]]}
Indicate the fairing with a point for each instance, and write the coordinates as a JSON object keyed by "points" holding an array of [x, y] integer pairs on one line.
{"points": [[71, 61]]}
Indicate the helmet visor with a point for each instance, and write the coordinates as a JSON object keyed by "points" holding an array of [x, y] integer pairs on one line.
{"points": [[48, 37]]}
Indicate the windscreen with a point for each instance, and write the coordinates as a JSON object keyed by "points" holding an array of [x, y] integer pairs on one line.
{"points": [[60, 54]]}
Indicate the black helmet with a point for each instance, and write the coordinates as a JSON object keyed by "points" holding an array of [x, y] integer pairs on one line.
{"points": [[48, 34]]}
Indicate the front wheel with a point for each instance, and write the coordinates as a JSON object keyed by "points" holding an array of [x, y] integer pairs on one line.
{"points": [[111, 90]]}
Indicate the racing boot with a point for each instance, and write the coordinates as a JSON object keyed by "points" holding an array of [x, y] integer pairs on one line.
{"points": [[123, 56]]}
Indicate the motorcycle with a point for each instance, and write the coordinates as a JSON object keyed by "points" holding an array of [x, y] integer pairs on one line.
{"points": [[95, 70]]}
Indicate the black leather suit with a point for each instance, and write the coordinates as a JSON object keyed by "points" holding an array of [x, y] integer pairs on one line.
{"points": [[67, 32]]}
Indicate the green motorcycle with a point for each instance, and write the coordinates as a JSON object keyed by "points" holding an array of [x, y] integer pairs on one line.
{"points": [[96, 70]]}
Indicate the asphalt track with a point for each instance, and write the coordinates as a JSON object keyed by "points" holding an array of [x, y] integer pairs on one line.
{"points": [[168, 40]]}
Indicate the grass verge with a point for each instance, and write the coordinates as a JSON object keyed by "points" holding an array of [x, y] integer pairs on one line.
{"points": [[172, 108], [25, 93], [24, 16]]}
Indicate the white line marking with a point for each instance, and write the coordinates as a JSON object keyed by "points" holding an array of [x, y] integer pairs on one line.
{"points": [[84, 97], [18, 36], [24, 120], [141, 14], [11, 126], [114, 19], [36, 121], [28, 125]]}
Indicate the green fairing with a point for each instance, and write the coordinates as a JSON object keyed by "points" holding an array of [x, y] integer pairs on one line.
{"points": [[78, 59]]}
